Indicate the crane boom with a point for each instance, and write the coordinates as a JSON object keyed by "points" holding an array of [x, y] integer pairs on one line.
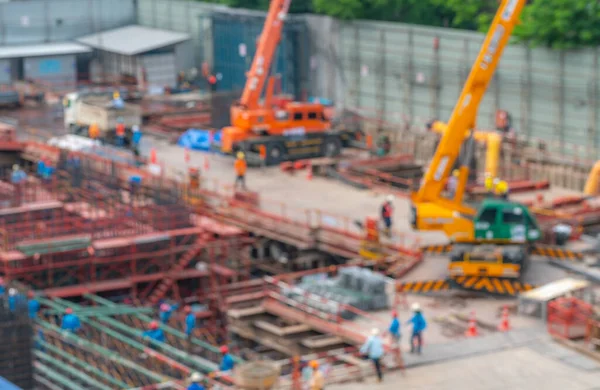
{"points": [[465, 112], [267, 44]]}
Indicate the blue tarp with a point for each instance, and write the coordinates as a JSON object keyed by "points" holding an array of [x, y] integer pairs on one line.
{"points": [[323, 101], [195, 139], [6, 385]]}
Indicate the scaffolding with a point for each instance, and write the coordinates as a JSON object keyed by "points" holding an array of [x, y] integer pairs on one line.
{"points": [[109, 351], [15, 343]]}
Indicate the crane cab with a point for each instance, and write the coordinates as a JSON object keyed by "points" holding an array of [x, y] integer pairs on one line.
{"points": [[501, 220]]}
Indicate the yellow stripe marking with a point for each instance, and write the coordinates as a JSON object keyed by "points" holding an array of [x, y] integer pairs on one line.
{"points": [[427, 286], [472, 280], [484, 283], [498, 286], [438, 285], [509, 287], [417, 286]]}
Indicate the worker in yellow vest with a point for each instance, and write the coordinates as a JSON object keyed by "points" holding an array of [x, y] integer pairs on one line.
{"points": [[488, 183], [501, 189]]}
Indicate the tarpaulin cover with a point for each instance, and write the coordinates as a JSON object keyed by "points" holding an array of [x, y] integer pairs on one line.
{"points": [[195, 139]]}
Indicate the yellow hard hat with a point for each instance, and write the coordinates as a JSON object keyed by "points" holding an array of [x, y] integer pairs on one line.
{"points": [[116, 95], [240, 155], [314, 364], [455, 173]]}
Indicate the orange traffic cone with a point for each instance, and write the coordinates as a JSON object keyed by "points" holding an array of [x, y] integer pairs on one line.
{"points": [[206, 164], [504, 324], [153, 156], [309, 172], [472, 330], [186, 155]]}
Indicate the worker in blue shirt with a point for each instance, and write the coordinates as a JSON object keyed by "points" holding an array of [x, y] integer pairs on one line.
{"points": [[166, 311], [419, 325], [70, 321], [18, 175], [373, 349], [394, 328], [190, 321], [227, 362], [14, 299], [154, 332], [195, 382], [2, 288], [136, 136], [33, 306]]}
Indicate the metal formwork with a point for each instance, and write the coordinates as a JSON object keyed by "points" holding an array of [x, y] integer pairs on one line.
{"points": [[15, 344]]}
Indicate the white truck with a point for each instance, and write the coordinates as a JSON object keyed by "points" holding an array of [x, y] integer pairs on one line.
{"points": [[81, 110]]}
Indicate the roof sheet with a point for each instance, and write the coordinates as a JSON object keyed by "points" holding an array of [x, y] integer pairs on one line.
{"points": [[133, 40], [47, 49]]}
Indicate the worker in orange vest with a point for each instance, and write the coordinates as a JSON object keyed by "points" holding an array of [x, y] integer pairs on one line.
{"points": [[93, 131], [240, 170], [120, 131], [262, 149], [386, 214]]}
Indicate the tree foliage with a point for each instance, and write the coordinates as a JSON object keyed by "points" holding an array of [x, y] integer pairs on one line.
{"points": [[553, 23]]}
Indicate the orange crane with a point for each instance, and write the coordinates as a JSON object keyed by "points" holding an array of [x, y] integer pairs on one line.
{"points": [[288, 130]]}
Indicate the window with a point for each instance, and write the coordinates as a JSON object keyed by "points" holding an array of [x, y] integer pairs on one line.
{"points": [[488, 216], [512, 217], [312, 115], [298, 116]]}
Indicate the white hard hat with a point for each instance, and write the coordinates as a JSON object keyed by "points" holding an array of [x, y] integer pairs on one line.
{"points": [[416, 307], [12, 292], [15, 167], [374, 331], [389, 198], [196, 377]]}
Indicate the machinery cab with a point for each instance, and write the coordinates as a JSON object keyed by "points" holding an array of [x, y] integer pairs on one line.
{"points": [[499, 220]]}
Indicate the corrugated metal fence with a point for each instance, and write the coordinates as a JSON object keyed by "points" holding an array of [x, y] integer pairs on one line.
{"points": [[393, 72], [40, 21]]}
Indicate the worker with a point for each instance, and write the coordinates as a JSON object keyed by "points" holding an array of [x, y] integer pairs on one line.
{"points": [[262, 150], [386, 214], [317, 382], [190, 321], [453, 182], [93, 131], [117, 101], [14, 299], [394, 328], [418, 326], [227, 362], [166, 311], [373, 349], [18, 175], [488, 182], [154, 332], [501, 189], [2, 287], [195, 382], [33, 306], [70, 321], [240, 170], [136, 136], [212, 82], [120, 132]]}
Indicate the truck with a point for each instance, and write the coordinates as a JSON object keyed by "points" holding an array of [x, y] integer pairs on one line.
{"points": [[80, 111]]}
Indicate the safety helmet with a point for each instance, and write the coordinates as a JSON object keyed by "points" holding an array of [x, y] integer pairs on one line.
{"points": [[116, 95], [12, 292], [240, 155], [196, 377], [187, 309], [314, 364], [224, 349], [416, 307], [15, 167], [165, 307], [389, 198], [375, 331], [394, 313], [455, 173], [153, 325], [69, 310]]}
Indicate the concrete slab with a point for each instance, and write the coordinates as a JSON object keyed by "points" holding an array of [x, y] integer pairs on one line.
{"points": [[517, 366]]}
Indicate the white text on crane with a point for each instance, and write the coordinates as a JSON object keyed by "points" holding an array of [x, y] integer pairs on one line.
{"points": [[492, 47]]}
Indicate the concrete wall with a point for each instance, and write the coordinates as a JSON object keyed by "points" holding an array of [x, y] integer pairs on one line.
{"points": [[39, 21], [392, 72]]}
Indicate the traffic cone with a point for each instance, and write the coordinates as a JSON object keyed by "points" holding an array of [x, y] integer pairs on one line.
{"points": [[186, 155], [153, 156], [206, 164], [472, 330], [504, 323], [309, 172]]}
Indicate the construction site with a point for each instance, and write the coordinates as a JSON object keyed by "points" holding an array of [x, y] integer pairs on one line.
{"points": [[276, 246]]}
